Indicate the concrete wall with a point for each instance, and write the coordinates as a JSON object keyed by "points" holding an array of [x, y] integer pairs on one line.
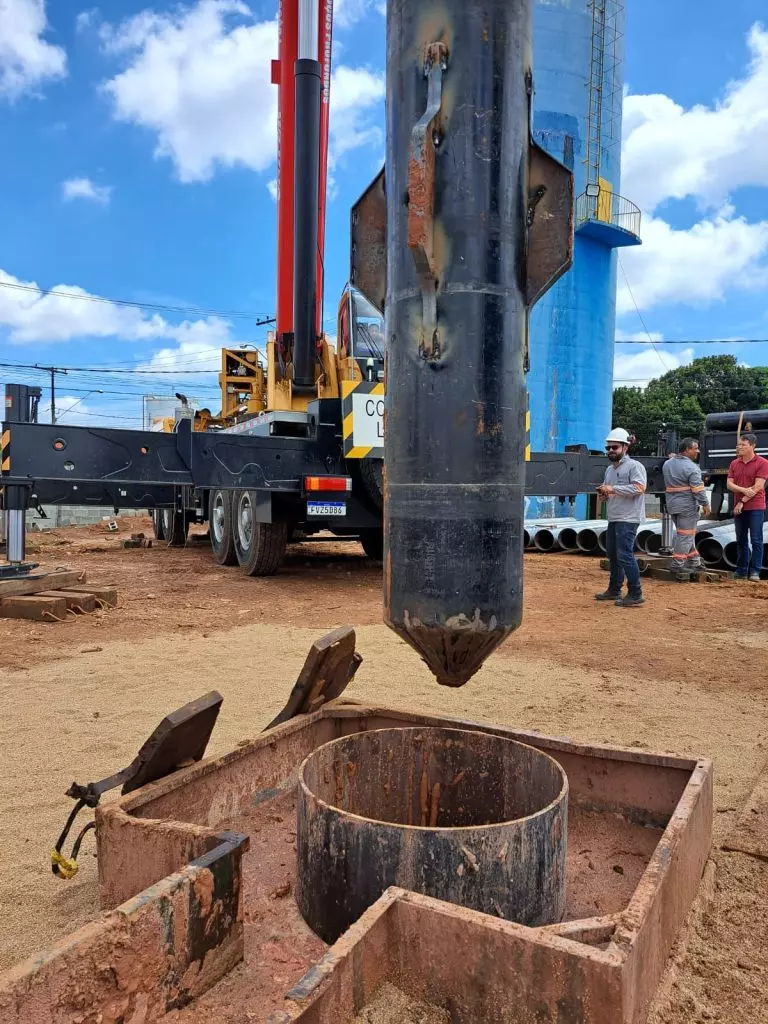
{"points": [[68, 515]]}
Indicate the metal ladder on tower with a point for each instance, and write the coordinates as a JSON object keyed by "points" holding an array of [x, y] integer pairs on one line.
{"points": [[595, 100]]}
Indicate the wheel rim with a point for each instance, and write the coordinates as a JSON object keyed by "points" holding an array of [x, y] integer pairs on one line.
{"points": [[217, 517], [167, 516], [245, 521]]}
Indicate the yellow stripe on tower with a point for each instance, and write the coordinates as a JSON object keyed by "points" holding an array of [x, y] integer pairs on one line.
{"points": [[528, 435], [605, 200]]}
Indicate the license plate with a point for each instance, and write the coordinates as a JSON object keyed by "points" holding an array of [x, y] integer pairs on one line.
{"points": [[326, 508]]}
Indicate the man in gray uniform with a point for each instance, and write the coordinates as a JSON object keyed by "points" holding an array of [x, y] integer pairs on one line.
{"points": [[624, 488], [686, 501]]}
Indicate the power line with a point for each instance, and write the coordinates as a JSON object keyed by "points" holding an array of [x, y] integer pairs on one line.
{"points": [[103, 415], [105, 370], [640, 316], [261, 318], [707, 341]]}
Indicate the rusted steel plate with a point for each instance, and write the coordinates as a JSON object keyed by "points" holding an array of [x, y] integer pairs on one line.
{"points": [[328, 669], [550, 216], [368, 271]]}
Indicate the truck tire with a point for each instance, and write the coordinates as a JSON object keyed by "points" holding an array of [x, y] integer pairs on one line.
{"points": [[220, 527], [260, 547], [158, 528], [373, 544], [175, 525], [372, 479]]}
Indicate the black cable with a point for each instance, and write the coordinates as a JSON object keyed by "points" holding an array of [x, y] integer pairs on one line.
{"points": [[85, 297]]}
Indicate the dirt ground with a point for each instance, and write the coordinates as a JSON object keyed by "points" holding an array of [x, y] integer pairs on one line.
{"points": [[687, 673]]}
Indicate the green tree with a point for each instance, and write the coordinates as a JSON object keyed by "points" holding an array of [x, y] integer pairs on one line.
{"points": [[680, 399]]}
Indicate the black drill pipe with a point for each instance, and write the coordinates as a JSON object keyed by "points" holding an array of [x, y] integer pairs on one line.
{"points": [[305, 206], [758, 418], [456, 403]]}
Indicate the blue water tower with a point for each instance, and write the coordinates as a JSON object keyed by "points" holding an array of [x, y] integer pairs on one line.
{"points": [[579, 83]]}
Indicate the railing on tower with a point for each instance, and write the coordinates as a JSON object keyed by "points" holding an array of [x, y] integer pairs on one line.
{"points": [[598, 204]]}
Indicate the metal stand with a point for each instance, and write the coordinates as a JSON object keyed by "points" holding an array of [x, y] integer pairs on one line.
{"points": [[667, 530], [21, 403]]}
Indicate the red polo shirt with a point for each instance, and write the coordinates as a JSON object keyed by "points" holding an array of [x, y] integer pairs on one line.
{"points": [[744, 474]]}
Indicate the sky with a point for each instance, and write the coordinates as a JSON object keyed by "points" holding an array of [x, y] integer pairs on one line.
{"points": [[140, 160]]}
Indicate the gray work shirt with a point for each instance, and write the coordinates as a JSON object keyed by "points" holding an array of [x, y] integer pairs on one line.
{"points": [[628, 479], [684, 486]]}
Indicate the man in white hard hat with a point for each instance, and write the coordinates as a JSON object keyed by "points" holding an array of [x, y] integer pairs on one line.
{"points": [[624, 489]]}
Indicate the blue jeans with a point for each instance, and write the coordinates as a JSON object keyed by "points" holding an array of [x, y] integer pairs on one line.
{"points": [[620, 544], [750, 525]]}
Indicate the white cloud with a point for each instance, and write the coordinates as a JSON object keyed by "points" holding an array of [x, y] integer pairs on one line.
{"points": [[354, 91], [636, 369], [696, 266], [199, 350], [65, 410], [84, 188], [347, 13], [704, 151], [26, 59], [89, 409], [651, 336], [30, 316], [87, 19], [199, 78]]}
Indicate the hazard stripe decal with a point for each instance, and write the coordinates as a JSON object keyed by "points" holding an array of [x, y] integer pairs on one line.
{"points": [[351, 389], [5, 452]]}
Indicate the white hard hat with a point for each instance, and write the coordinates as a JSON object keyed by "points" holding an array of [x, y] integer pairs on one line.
{"points": [[618, 434]]}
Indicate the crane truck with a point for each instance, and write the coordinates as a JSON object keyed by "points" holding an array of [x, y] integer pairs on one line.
{"points": [[353, 374], [464, 230]]}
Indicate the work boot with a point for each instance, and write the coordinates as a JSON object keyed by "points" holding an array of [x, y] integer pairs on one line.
{"points": [[755, 578], [608, 595], [630, 601]]}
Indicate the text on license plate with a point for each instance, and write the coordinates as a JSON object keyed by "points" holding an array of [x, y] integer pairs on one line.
{"points": [[326, 508]]}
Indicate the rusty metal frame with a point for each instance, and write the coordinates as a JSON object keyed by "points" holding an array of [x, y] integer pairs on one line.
{"points": [[611, 965]]}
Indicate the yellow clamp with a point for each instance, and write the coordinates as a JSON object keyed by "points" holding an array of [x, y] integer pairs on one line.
{"points": [[63, 867]]}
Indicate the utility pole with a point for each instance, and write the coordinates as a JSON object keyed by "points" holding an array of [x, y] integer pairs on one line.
{"points": [[53, 370]]}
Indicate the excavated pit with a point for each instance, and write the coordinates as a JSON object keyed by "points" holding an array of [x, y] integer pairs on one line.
{"points": [[463, 816], [199, 871]]}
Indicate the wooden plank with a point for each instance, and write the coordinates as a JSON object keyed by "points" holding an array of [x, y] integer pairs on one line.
{"points": [[34, 584], [657, 568], [107, 595], [40, 609], [76, 600]]}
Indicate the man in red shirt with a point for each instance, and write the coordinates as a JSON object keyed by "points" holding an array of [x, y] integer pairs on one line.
{"points": [[746, 479]]}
